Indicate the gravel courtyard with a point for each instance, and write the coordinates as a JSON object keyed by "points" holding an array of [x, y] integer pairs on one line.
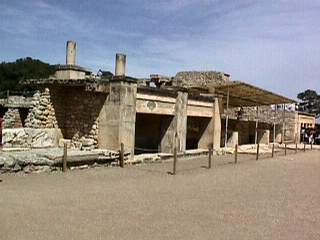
{"points": [[267, 199]]}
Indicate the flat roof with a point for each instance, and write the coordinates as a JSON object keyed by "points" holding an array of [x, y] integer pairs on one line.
{"points": [[307, 114], [244, 94]]}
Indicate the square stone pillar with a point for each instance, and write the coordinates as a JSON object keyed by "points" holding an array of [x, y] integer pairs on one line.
{"points": [[217, 111], [118, 117], [212, 134], [175, 133]]}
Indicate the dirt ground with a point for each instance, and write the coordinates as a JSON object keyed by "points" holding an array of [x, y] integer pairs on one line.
{"points": [[267, 199]]}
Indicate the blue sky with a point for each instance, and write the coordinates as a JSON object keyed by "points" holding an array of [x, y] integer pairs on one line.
{"points": [[272, 44]]}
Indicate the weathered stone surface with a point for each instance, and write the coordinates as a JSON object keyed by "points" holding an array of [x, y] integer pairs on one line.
{"points": [[8, 162], [39, 160], [29, 137], [16, 167], [33, 159], [42, 114], [12, 118], [199, 79]]}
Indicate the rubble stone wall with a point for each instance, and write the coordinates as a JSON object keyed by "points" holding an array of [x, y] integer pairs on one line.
{"points": [[12, 118], [72, 110], [42, 113], [198, 78]]}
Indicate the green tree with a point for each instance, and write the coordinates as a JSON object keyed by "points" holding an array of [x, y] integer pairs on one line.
{"points": [[309, 102], [11, 73]]}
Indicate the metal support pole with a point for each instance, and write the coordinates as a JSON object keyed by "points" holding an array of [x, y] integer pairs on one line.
{"points": [[174, 161], [236, 154], [274, 128], [256, 130], [121, 160], [227, 120], [209, 157], [64, 159], [257, 156]]}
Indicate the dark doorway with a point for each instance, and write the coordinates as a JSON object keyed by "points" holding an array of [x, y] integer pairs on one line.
{"points": [[196, 127], [149, 132]]}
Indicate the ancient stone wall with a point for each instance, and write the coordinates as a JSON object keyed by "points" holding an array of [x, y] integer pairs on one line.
{"points": [[198, 79], [12, 118], [72, 110], [77, 114], [42, 113]]}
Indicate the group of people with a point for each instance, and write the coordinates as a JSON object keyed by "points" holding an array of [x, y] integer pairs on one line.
{"points": [[310, 136]]}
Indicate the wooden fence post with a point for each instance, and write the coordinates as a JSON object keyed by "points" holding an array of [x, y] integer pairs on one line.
{"points": [[121, 159], [64, 158], [285, 149], [272, 154], [210, 157], [236, 154], [174, 161]]}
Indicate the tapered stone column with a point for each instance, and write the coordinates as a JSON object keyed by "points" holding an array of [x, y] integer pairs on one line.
{"points": [[175, 132], [212, 134]]}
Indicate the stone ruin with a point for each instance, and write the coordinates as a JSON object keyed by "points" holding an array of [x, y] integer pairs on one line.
{"points": [[96, 113]]}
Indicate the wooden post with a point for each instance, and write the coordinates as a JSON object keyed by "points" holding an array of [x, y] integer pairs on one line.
{"points": [[64, 159], [236, 154], [121, 159], [272, 154], [256, 129], [285, 149], [210, 157], [174, 161], [257, 156]]}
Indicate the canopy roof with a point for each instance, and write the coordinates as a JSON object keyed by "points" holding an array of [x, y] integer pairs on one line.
{"points": [[244, 94]]}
